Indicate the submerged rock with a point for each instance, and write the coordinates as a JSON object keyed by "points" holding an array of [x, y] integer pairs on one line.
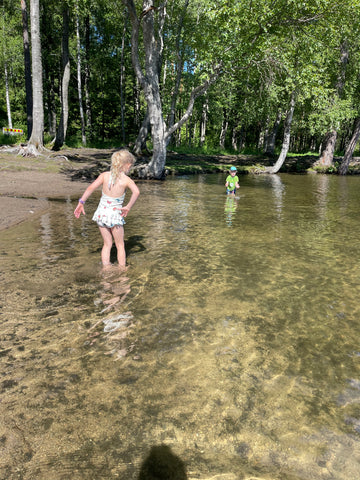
{"points": [[114, 323]]}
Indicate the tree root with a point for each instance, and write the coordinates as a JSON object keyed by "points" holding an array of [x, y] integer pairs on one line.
{"points": [[59, 157], [26, 150], [145, 171], [263, 170], [29, 151]]}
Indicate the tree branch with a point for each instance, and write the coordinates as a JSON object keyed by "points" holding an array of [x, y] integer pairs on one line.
{"points": [[196, 92], [135, 23]]}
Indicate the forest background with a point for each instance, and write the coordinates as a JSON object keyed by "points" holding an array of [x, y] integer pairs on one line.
{"points": [[200, 76]]}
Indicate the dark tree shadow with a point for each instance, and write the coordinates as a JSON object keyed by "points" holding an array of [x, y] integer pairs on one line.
{"points": [[162, 464]]}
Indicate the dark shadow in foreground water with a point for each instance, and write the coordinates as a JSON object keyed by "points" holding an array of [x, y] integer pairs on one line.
{"points": [[133, 245], [162, 464]]}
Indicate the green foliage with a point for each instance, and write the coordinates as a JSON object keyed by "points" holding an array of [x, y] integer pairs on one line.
{"points": [[266, 50], [205, 150], [12, 139], [332, 169]]}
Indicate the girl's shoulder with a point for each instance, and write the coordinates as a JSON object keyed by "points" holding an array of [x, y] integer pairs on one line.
{"points": [[126, 179], [103, 176]]}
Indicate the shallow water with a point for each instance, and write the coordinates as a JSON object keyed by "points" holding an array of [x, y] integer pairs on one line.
{"points": [[233, 338]]}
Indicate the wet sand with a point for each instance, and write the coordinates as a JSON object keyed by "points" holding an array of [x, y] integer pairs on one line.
{"points": [[25, 193]]}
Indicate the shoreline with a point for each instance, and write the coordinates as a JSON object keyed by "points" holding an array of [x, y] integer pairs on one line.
{"points": [[25, 194], [28, 183]]}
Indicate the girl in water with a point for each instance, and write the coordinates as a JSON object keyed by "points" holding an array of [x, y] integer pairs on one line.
{"points": [[110, 212]]}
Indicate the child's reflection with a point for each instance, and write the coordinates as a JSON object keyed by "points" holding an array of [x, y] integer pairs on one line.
{"points": [[116, 287], [231, 204], [114, 328]]}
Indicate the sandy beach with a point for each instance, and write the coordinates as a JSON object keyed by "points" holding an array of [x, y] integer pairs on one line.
{"points": [[27, 184]]}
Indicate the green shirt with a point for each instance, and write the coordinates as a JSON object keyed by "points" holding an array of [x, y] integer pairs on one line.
{"points": [[232, 181]]}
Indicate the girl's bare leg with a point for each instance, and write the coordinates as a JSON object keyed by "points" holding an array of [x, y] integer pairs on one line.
{"points": [[118, 234], [108, 241]]}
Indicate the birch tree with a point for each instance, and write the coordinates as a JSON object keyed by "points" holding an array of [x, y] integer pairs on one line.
{"points": [[350, 148], [329, 142], [148, 76], [7, 95], [63, 122], [287, 131], [78, 70], [36, 141], [27, 67]]}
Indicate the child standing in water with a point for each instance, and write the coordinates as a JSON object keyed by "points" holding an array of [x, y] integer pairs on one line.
{"points": [[110, 212], [232, 182]]}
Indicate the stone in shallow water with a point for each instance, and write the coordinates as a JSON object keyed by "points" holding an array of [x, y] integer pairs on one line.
{"points": [[114, 323]]}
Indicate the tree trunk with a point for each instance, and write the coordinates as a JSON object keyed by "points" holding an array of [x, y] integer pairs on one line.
{"points": [[328, 145], [63, 123], [7, 94], [350, 148], [271, 139], [27, 67], [203, 123], [36, 141], [140, 142], [234, 135], [87, 78], [261, 140], [122, 81], [224, 127], [178, 132], [157, 163], [50, 107], [149, 81], [327, 149], [78, 52], [179, 69], [286, 139]]}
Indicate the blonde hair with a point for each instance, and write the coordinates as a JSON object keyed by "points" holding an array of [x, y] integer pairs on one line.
{"points": [[118, 161]]}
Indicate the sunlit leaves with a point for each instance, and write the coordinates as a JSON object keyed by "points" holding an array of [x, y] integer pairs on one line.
{"points": [[266, 49]]}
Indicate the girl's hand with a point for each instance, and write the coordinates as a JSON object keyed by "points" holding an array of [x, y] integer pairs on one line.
{"points": [[125, 211], [79, 210]]}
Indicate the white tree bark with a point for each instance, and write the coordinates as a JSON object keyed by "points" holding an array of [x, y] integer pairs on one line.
{"points": [[36, 140], [7, 94], [350, 148], [327, 149], [64, 116], [79, 83], [87, 77], [149, 81], [122, 82], [329, 143], [179, 68], [224, 128], [270, 141], [203, 123], [27, 67], [286, 140]]}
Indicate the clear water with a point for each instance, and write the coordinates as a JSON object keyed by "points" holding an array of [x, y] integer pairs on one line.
{"points": [[232, 339]]}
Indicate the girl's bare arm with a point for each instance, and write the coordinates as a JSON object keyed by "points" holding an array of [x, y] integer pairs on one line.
{"points": [[135, 192], [90, 189]]}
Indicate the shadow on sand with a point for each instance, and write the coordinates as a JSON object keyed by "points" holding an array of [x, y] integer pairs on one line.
{"points": [[162, 464]]}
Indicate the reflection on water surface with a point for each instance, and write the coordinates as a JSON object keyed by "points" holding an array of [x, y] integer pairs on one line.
{"points": [[232, 339]]}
